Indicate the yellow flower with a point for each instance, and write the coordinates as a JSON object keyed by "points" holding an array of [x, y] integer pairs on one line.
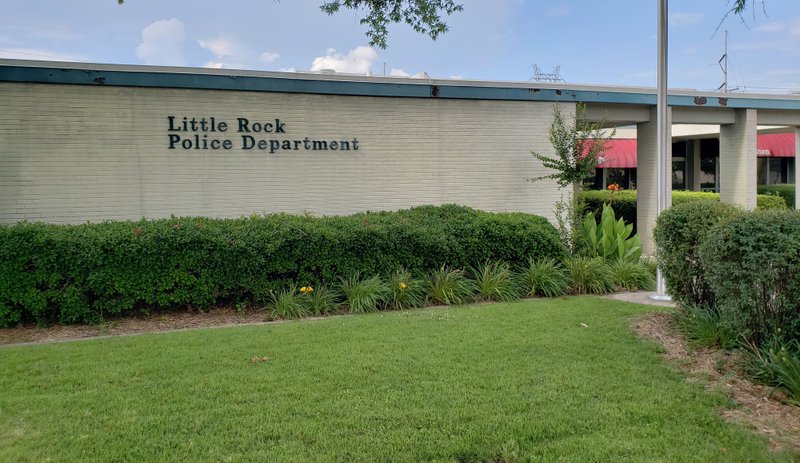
{"points": [[310, 289], [303, 290], [402, 285]]}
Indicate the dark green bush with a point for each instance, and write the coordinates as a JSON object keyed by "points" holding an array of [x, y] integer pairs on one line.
{"points": [[784, 190], [678, 234], [752, 264], [82, 273], [624, 202]]}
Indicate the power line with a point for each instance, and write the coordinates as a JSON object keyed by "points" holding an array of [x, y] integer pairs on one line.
{"points": [[17, 52]]}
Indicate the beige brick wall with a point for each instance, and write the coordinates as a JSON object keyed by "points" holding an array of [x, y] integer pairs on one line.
{"points": [[71, 154]]}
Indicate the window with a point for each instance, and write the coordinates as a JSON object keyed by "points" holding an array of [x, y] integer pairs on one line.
{"points": [[678, 173], [708, 174], [618, 176]]}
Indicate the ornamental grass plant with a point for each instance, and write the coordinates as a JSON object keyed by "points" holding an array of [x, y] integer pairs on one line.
{"points": [[449, 286], [589, 275], [494, 281], [777, 364], [287, 303], [405, 291], [362, 294], [631, 276], [543, 277], [321, 300], [705, 327]]}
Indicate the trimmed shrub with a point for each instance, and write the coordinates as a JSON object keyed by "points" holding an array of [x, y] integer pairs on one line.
{"points": [[82, 273], [784, 190], [544, 277], [678, 234], [752, 264], [624, 202]]}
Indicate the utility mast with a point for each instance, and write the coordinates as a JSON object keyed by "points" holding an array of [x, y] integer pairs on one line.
{"points": [[723, 64]]}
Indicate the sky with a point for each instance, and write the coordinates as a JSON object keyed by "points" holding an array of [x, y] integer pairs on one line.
{"points": [[610, 42]]}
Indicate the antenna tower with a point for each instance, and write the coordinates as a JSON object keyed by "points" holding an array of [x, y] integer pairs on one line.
{"points": [[555, 76]]}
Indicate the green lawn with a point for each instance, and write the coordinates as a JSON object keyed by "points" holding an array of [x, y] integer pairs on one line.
{"points": [[462, 384]]}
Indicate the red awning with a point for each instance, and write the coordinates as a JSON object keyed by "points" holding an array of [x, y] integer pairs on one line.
{"points": [[621, 152], [776, 145]]}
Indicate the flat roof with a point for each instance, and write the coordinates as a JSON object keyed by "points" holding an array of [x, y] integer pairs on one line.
{"points": [[54, 72]]}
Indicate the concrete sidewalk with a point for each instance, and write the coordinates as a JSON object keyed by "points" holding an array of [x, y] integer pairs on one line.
{"points": [[639, 297]]}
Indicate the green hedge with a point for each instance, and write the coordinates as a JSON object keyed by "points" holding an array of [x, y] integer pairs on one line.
{"points": [[678, 234], [624, 202], [784, 190], [80, 273], [752, 264]]}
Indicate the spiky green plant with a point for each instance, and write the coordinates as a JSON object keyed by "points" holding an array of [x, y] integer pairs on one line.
{"points": [[778, 365], [544, 277], [494, 281], [364, 294], [449, 286], [589, 275], [406, 292], [705, 327], [321, 300], [632, 276], [287, 304]]}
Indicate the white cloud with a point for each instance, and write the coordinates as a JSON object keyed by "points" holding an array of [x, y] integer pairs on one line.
{"points": [[456, 76], [214, 65], [38, 55], [220, 47], [269, 56], [162, 43], [773, 26], [398, 73], [684, 19], [357, 61], [287, 70]]}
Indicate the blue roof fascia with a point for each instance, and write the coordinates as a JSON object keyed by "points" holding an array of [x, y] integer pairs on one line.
{"points": [[30, 74]]}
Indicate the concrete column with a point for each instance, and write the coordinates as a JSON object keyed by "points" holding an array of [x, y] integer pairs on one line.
{"points": [[693, 166], [737, 160], [646, 175]]}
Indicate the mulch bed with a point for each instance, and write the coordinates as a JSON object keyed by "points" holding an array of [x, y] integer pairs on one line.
{"points": [[758, 407]]}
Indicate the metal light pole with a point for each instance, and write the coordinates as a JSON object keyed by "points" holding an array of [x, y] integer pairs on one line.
{"points": [[662, 137]]}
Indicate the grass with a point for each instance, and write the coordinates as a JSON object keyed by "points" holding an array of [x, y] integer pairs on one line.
{"points": [[451, 384]]}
